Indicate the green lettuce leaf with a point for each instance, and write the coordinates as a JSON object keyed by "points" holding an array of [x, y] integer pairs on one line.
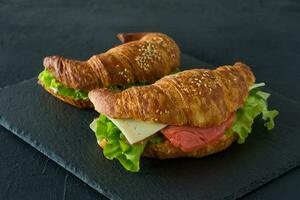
{"points": [[175, 71], [255, 105], [117, 146], [49, 81]]}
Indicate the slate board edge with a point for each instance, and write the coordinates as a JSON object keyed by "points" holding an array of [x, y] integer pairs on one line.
{"points": [[18, 83], [57, 159]]}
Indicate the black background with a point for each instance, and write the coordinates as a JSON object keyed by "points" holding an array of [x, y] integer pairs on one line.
{"points": [[264, 34]]}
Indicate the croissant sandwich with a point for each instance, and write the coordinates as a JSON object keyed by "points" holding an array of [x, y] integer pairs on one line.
{"points": [[142, 59], [193, 113]]}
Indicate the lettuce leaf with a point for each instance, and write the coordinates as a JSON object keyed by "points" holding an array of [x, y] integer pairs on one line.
{"points": [[49, 81], [117, 146], [255, 105], [175, 71]]}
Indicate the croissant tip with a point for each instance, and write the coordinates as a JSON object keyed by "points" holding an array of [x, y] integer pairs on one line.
{"points": [[240, 63], [91, 94], [128, 37], [121, 37], [96, 92], [101, 99], [48, 61]]}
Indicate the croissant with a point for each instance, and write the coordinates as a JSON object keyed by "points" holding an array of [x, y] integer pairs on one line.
{"points": [[143, 58], [198, 97]]}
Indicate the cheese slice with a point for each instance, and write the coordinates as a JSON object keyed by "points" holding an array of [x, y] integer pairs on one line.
{"points": [[135, 130]]}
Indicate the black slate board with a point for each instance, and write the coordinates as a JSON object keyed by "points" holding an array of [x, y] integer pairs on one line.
{"points": [[61, 132]]}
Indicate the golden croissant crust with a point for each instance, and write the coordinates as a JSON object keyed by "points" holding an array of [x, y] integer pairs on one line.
{"points": [[144, 57], [166, 150], [198, 97]]}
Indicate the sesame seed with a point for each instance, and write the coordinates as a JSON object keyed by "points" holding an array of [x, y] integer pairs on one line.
{"points": [[148, 54]]}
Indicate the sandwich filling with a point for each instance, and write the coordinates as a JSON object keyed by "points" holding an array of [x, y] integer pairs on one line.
{"points": [[118, 136], [49, 82], [191, 138]]}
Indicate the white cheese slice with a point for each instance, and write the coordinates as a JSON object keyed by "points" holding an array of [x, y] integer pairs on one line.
{"points": [[135, 130]]}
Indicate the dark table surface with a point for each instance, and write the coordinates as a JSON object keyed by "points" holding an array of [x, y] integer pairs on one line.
{"points": [[261, 33]]}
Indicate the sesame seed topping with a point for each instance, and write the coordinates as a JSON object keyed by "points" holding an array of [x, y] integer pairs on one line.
{"points": [[148, 54]]}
